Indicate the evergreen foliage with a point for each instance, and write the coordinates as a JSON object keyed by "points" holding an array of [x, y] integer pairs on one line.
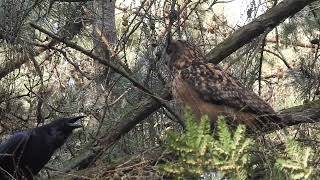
{"points": [[193, 148], [231, 151], [228, 154], [199, 153], [295, 163]]}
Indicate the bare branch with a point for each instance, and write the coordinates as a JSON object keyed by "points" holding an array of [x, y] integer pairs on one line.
{"points": [[247, 33]]}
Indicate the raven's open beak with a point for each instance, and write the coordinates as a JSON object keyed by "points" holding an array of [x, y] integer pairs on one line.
{"points": [[73, 120]]}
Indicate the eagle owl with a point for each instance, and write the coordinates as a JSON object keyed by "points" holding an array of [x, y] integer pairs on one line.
{"points": [[208, 90]]}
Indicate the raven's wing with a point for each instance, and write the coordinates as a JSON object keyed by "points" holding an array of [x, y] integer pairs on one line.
{"points": [[9, 147], [10, 150]]}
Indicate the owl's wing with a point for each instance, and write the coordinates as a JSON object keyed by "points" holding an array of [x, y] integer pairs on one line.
{"points": [[215, 86]]}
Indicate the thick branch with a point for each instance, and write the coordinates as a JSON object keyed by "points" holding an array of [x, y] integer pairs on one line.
{"points": [[137, 115], [306, 113], [144, 109], [10, 66], [247, 33]]}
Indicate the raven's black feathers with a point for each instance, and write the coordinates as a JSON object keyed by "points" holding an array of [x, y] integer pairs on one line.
{"points": [[25, 153]]}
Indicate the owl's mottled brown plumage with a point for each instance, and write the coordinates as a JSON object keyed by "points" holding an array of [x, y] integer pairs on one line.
{"points": [[207, 89]]}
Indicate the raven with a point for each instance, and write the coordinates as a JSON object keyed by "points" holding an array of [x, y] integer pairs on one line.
{"points": [[25, 153]]}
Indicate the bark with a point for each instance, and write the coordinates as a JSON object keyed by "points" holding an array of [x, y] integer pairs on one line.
{"points": [[104, 20], [144, 109], [306, 113], [10, 66], [129, 120], [258, 26]]}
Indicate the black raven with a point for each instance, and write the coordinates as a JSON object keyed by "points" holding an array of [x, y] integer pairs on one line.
{"points": [[25, 153]]}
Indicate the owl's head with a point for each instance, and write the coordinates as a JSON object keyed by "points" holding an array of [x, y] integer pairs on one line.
{"points": [[182, 54]]}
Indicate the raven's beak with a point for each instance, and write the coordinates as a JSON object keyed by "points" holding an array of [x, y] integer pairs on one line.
{"points": [[72, 120]]}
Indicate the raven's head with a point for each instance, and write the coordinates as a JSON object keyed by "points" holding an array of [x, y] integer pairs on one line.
{"points": [[61, 129]]}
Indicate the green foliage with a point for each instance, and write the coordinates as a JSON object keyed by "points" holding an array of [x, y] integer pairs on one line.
{"points": [[230, 152], [296, 161], [192, 147], [226, 154], [200, 153]]}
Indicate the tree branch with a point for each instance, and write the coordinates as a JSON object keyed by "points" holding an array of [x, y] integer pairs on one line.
{"points": [[144, 109], [258, 26]]}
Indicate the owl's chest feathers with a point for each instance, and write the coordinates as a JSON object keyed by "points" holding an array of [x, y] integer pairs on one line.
{"points": [[186, 96], [183, 93]]}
